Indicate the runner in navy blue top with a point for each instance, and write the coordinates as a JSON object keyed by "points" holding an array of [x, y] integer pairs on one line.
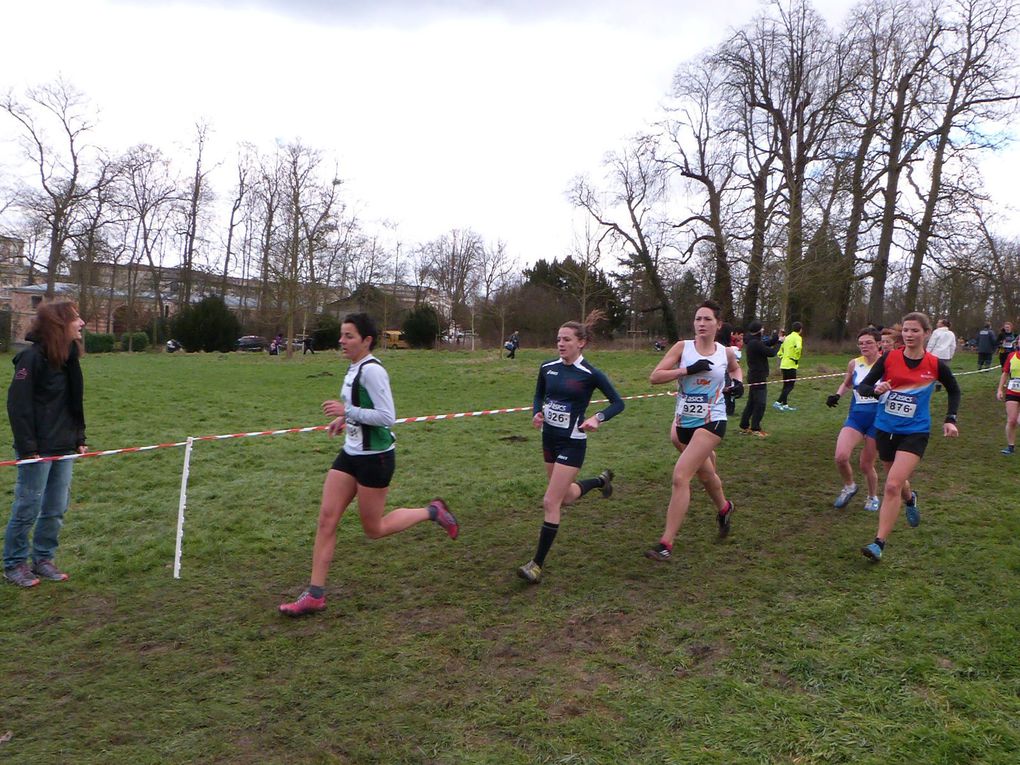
{"points": [[562, 394]]}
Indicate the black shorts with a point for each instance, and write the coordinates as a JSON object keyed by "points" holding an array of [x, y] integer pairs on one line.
{"points": [[372, 470], [890, 443], [563, 451], [684, 435]]}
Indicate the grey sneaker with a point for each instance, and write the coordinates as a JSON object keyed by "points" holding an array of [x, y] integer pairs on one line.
{"points": [[607, 483], [21, 576], [45, 569], [873, 504], [845, 496], [530, 572]]}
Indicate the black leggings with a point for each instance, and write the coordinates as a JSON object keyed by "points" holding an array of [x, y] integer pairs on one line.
{"points": [[789, 378]]}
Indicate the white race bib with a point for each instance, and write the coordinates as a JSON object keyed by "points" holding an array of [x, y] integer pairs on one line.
{"points": [[864, 400], [695, 405], [1013, 386], [557, 415], [901, 404]]}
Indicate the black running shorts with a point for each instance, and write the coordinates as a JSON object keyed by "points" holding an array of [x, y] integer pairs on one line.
{"points": [[890, 443], [372, 470], [563, 451], [684, 435]]}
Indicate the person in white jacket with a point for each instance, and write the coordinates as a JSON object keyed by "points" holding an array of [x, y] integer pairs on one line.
{"points": [[942, 343]]}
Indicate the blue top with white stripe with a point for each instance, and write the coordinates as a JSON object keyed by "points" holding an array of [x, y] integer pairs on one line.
{"points": [[563, 393]]}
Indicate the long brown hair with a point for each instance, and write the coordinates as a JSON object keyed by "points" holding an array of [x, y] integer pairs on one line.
{"points": [[49, 328]]}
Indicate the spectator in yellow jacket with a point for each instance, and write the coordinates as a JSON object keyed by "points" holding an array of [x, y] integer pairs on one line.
{"points": [[789, 359]]}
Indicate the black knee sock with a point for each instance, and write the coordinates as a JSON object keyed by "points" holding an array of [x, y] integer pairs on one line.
{"points": [[545, 540], [587, 484]]}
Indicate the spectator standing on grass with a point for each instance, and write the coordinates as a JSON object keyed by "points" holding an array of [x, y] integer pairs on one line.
{"points": [[987, 342], [364, 467], [562, 394], [513, 344], [758, 350], [309, 345], [1007, 340], [789, 354], [942, 344], [45, 408]]}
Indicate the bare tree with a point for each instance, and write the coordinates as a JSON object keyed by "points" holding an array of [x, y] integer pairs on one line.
{"points": [[979, 77], [636, 186], [198, 193], [703, 152], [63, 165]]}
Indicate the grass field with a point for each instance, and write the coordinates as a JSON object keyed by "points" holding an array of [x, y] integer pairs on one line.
{"points": [[780, 645]]}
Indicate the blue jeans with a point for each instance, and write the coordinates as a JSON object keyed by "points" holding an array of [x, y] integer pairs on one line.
{"points": [[41, 493]]}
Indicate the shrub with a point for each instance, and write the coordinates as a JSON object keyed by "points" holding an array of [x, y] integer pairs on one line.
{"points": [[326, 333], [421, 327], [135, 341], [98, 343], [207, 326]]}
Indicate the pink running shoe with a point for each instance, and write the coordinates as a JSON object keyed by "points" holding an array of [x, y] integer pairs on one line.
{"points": [[305, 604], [444, 517]]}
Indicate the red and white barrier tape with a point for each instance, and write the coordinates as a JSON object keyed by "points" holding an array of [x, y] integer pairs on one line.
{"points": [[399, 421]]}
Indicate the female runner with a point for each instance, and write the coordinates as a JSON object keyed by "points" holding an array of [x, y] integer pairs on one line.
{"points": [[364, 466], [700, 367], [859, 425], [1009, 391], [564, 388], [903, 421]]}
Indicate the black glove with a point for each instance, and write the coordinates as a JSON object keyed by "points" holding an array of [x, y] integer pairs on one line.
{"points": [[701, 365], [833, 401], [736, 389]]}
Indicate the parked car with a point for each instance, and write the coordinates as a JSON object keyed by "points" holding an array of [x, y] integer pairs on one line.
{"points": [[251, 343]]}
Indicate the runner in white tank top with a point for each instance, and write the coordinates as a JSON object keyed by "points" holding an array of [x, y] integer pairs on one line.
{"points": [[699, 366]]}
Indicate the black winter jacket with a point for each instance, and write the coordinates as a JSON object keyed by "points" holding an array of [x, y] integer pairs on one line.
{"points": [[45, 405], [757, 351]]}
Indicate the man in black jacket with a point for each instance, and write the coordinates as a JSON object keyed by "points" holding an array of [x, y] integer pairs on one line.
{"points": [[758, 351]]}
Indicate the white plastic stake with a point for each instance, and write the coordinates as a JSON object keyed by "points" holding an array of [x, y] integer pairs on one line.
{"points": [[181, 505]]}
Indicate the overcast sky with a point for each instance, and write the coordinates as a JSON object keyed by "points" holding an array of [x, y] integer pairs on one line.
{"points": [[439, 114]]}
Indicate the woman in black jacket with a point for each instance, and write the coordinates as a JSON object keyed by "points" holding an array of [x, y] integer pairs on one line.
{"points": [[44, 405]]}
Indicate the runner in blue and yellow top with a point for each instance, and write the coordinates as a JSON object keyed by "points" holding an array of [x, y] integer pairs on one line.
{"points": [[699, 367], [1009, 391], [562, 394], [904, 379], [859, 425], [364, 467]]}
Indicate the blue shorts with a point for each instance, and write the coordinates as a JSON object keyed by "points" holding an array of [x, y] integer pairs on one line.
{"points": [[563, 450], [862, 420]]}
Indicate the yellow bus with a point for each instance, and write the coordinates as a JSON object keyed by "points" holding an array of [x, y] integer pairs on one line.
{"points": [[394, 338]]}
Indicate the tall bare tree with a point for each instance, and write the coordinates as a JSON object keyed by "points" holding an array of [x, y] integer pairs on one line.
{"points": [[69, 170]]}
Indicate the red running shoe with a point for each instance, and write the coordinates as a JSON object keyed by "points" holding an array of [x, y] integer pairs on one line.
{"points": [[444, 517], [305, 604]]}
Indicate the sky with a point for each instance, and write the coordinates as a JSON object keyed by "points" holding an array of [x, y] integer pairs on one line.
{"points": [[438, 114]]}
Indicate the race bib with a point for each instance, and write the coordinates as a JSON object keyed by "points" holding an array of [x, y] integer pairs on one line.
{"points": [[901, 404], [695, 405], [864, 400], [353, 435], [557, 415], [1013, 386]]}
